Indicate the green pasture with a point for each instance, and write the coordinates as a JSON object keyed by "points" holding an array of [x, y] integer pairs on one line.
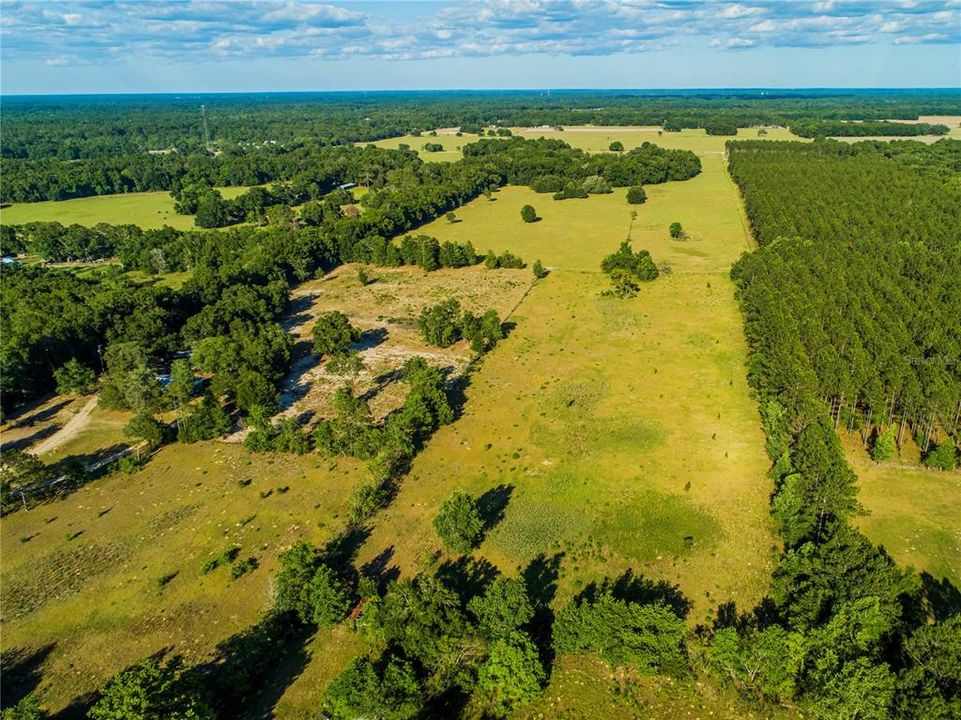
{"points": [[451, 142], [149, 210]]}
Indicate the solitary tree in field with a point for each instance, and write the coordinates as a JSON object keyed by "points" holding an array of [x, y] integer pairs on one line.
{"points": [[677, 232], [333, 333], [616, 146], [451, 217], [636, 195], [458, 523], [528, 214], [539, 270]]}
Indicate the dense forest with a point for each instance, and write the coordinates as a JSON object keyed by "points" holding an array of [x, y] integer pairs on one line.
{"points": [[867, 282], [864, 128], [58, 148], [849, 321]]}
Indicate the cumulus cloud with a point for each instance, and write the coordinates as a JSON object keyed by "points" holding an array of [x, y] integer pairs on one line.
{"points": [[101, 30]]}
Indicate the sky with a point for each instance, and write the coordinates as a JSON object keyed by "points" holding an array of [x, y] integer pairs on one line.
{"points": [[100, 46]]}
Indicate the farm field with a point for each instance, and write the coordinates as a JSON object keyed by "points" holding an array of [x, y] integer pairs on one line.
{"points": [[452, 145], [149, 210], [113, 572], [912, 512]]}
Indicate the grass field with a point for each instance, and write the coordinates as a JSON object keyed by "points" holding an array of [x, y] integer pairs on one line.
{"points": [[112, 573], [149, 210], [621, 433], [451, 142], [913, 513]]}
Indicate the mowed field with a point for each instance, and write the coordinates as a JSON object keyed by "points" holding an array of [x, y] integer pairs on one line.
{"points": [[149, 210], [912, 511]]}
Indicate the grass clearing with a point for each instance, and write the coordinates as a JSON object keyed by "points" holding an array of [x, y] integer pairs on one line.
{"points": [[113, 572], [913, 512], [452, 144], [595, 409], [149, 210]]}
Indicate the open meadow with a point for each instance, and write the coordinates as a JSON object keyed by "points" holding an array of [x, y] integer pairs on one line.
{"points": [[114, 572], [149, 210], [451, 142], [912, 511]]}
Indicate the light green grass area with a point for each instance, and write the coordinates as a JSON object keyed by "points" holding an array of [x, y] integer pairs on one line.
{"points": [[452, 151], [149, 210], [914, 513], [606, 415], [83, 575]]}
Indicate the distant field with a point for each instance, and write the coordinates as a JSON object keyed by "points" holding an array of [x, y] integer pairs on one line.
{"points": [[913, 513], [149, 210], [452, 145]]}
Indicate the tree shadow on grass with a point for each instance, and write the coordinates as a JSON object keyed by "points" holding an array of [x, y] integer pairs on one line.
{"points": [[370, 339], [25, 442], [638, 589], [942, 596], [380, 570], [492, 505], [540, 577], [20, 668], [467, 576]]}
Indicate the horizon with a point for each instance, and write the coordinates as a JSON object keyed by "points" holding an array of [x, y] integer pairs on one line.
{"points": [[80, 48]]}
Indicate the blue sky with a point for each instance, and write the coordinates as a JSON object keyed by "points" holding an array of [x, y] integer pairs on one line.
{"points": [[253, 45]]}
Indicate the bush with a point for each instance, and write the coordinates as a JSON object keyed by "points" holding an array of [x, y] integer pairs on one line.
{"points": [[645, 637], [677, 232], [942, 457], [389, 690], [152, 691], [571, 191], [540, 271], [458, 524], [439, 324], [616, 146], [636, 195], [511, 676], [528, 214], [596, 185], [74, 377], [333, 333], [547, 184], [884, 446]]}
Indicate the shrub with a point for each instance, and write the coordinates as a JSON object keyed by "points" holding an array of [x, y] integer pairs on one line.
{"points": [[596, 185], [243, 567], [333, 333], [884, 446], [547, 184], [458, 524], [942, 457], [539, 270], [636, 195], [389, 690], [645, 637], [438, 324], [677, 232], [511, 676], [616, 146], [143, 425], [528, 214]]}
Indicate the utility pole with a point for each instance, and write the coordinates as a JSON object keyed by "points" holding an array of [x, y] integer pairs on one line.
{"points": [[203, 114]]}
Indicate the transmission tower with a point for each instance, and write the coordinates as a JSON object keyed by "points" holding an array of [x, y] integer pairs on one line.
{"points": [[203, 114]]}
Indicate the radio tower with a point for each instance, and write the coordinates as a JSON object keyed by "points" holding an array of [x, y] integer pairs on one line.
{"points": [[203, 114]]}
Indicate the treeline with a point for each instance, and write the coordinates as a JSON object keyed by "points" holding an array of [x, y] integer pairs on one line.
{"points": [[868, 289], [548, 165], [848, 633], [311, 170], [864, 128], [87, 127]]}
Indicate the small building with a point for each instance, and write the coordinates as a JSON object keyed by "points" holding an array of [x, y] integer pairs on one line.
{"points": [[347, 186]]}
